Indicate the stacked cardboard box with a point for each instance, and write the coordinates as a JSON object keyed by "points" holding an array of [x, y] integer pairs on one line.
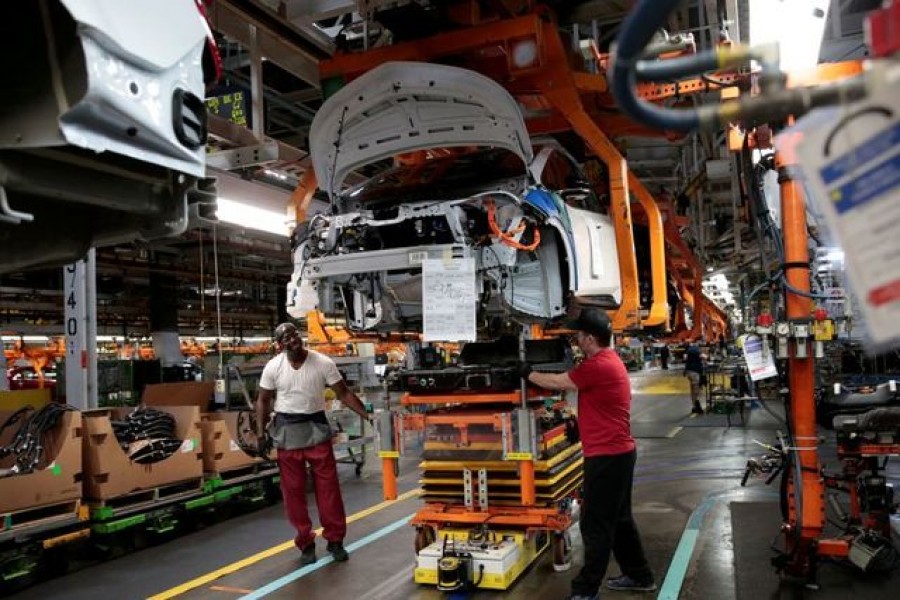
{"points": [[221, 449]]}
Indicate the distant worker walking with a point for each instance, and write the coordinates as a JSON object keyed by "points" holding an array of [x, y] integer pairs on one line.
{"points": [[693, 370]]}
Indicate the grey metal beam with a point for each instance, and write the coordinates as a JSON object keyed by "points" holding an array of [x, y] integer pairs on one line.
{"points": [[256, 84], [243, 156], [241, 136], [233, 19], [309, 11]]}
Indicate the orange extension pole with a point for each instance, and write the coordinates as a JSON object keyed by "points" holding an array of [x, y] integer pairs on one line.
{"points": [[388, 478], [811, 516], [526, 482]]}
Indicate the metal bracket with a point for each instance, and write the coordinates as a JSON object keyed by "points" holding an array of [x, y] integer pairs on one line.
{"points": [[467, 489], [244, 156], [482, 489]]}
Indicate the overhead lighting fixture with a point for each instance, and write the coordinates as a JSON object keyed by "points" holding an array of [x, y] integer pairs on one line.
{"points": [[25, 338], [252, 217], [798, 29]]}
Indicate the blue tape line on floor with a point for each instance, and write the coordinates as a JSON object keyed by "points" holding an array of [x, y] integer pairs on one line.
{"points": [[283, 581], [671, 587]]}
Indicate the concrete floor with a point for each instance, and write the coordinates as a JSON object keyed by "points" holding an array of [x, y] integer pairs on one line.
{"points": [[687, 478]]}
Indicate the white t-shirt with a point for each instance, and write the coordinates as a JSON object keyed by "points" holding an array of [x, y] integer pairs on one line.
{"points": [[300, 390]]}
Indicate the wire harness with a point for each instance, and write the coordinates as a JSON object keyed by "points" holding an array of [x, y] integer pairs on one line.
{"points": [[29, 443]]}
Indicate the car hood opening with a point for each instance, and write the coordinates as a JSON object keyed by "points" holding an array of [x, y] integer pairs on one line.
{"points": [[403, 107]]}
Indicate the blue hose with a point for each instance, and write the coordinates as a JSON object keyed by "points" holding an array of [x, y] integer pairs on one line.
{"points": [[637, 31], [673, 68]]}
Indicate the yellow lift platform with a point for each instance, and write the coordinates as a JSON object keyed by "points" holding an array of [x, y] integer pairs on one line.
{"points": [[500, 479]]}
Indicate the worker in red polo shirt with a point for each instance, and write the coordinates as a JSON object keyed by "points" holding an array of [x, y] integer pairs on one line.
{"points": [[604, 415]]}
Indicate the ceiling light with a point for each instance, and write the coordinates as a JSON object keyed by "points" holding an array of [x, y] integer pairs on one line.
{"points": [[252, 217], [525, 53], [798, 29]]}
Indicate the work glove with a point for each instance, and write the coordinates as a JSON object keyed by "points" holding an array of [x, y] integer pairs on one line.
{"points": [[524, 369]]}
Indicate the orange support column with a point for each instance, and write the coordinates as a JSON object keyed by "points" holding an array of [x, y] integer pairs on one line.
{"points": [[558, 86], [389, 477], [526, 482], [659, 309], [809, 518]]}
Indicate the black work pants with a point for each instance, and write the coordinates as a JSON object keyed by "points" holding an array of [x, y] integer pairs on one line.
{"points": [[607, 524]]}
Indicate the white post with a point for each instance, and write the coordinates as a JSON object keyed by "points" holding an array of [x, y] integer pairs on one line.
{"points": [[79, 291]]}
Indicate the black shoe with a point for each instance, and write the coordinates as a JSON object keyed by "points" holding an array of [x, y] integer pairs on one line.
{"points": [[338, 553], [308, 554], [697, 410], [624, 583]]}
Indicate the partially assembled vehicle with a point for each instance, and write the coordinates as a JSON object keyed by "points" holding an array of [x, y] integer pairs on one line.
{"points": [[102, 125], [466, 182]]}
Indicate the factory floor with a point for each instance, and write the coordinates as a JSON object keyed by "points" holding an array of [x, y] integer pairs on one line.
{"points": [[705, 535]]}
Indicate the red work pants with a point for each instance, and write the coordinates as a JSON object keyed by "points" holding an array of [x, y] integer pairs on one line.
{"points": [[292, 464]]}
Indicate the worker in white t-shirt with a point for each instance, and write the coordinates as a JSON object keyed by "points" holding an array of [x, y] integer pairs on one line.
{"points": [[296, 380]]}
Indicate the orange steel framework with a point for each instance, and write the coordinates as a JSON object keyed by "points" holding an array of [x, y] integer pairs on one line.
{"points": [[556, 98], [806, 522]]}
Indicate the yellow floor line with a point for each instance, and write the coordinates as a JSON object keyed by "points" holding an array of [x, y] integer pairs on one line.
{"points": [[259, 556]]}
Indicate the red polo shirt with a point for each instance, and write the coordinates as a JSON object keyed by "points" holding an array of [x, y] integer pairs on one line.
{"points": [[604, 404]]}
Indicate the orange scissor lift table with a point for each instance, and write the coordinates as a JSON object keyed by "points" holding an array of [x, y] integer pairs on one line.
{"points": [[500, 481]]}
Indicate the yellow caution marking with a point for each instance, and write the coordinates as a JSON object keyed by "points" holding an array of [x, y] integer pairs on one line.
{"points": [[664, 384], [259, 556]]}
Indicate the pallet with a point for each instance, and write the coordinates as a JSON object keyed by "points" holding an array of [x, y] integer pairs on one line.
{"points": [[237, 475], [141, 499], [39, 517]]}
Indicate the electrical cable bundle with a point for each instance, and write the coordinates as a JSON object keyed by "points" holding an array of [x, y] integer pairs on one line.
{"points": [[147, 435], [29, 442]]}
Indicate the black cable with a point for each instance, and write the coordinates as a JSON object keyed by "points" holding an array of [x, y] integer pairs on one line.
{"points": [[28, 443], [147, 435]]}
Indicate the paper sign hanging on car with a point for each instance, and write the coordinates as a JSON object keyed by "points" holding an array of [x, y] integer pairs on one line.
{"points": [[448, 300]]}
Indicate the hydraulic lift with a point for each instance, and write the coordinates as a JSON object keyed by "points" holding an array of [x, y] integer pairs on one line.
{"points": [[501, 474], [500, 482]]}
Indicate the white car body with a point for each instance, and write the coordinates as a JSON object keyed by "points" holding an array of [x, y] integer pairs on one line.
{"points": [[107, 96], [365, 257]]}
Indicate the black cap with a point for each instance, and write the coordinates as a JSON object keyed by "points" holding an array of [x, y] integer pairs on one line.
{"points": [[593, 321], [284, 330]]}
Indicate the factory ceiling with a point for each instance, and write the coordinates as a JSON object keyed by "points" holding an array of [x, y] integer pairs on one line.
{"points": [[271, 50]]}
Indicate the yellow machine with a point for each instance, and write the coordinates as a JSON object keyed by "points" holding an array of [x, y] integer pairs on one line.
{"points": [[481, 558]]}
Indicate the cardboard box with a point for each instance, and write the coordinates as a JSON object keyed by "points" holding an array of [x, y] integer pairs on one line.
{"points": [[57, 478], [221, 452], [16, 399], [183, 393], [109, 473]]}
